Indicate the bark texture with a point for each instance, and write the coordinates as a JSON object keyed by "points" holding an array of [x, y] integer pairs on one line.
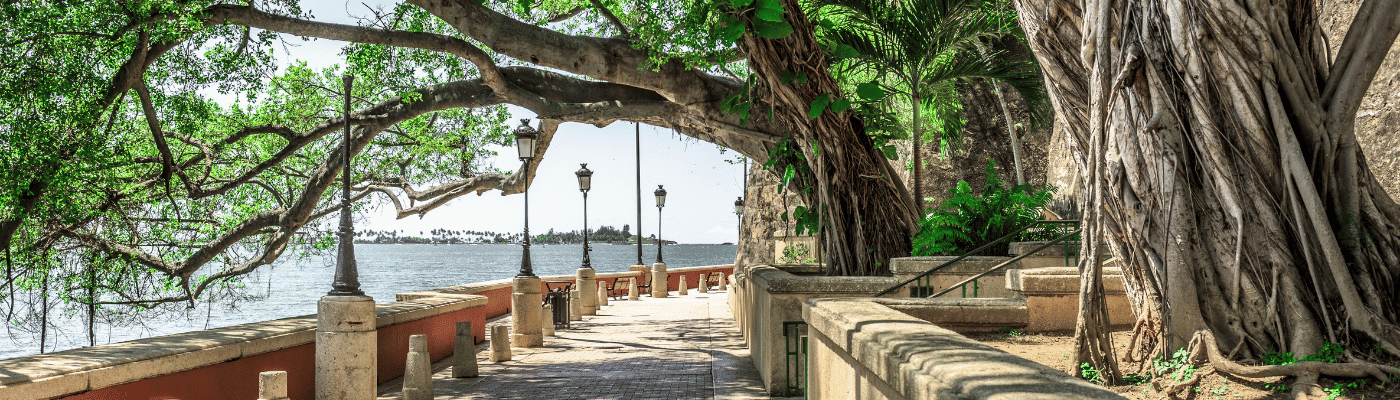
{"points": [[1216, 142]]}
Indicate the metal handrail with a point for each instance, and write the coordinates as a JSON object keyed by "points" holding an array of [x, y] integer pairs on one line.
{"points": [[1008, 262], [977, 250]]}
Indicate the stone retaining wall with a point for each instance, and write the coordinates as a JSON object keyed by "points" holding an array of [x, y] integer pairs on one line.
{"points": [[224, 363], [862, 350]]}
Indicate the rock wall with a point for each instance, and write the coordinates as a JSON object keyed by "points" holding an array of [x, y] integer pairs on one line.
{"points": [[764, 205]]}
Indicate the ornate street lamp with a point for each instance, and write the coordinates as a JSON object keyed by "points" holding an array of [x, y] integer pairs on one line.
{"points": [[525, 143], [660, 202], [585, 182], [347, 278], [739, 211]]}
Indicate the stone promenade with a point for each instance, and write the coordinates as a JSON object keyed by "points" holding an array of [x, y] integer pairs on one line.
{"points": [[679, 347]]}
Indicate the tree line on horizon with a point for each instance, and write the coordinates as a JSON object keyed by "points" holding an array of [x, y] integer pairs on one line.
{"points": [[447, 236]]}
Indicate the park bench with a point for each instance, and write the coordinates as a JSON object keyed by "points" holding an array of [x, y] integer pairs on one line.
{"points": [[645, 284], [713, 280], [611, 288]]}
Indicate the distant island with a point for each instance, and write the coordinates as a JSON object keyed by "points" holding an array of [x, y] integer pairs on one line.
{"points": [[605, 234]]}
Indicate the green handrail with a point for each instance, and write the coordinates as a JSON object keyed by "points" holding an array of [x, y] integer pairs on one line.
{"points": [[979, 249], [1007, 262]]}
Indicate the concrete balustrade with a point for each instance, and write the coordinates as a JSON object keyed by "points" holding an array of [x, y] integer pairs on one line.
{"points": [[418, 370], [500, 344], [575, 304], [632, 290], [272, 385], [464, 352], [547, 320], [659, 283], [602, 296], [702, 283], [683, 290], [723, 282]]}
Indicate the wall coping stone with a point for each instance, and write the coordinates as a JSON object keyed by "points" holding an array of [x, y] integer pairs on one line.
{"points": [[773, 280], [969, 265], [924, 361], [1057, 250]]}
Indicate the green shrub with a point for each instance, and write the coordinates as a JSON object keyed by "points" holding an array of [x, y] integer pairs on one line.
{"points": [[967, 221]]}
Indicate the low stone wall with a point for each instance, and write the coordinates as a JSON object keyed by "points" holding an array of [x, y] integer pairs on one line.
{"points": [[763, 297], [862, 350], [224, 363]]}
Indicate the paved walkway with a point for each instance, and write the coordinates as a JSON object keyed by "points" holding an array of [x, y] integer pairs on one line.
{"points": [[680, 347]]}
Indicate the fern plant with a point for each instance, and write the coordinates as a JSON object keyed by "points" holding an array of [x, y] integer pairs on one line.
{"points": [[967, 220]]}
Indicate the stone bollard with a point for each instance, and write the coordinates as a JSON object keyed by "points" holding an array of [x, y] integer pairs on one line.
{"points": [[575, 305], [587, 284], [602, 296], [632, 290], [500, 344], [272, 385], [723, 281], [659, 284], [702, 284], [464, 352], [418, 370], [547, 320], [525, 309], [684, 288], [347, 350]]}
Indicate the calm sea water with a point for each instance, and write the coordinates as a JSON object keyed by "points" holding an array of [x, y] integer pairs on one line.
{"points": [[293, 287]]}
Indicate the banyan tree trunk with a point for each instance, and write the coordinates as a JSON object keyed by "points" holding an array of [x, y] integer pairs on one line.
{"points": [[1218, 139], [867, 214]]}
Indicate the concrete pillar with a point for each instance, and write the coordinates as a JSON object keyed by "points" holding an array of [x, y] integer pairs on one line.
{"points": [[346, 348], [723, 282], [643, 273], [703, 283], [632, 290], [500, 343], [525, 310], [464, 352], [684, 290], [658, 280], [418, 370], [547, 320], [588, 290], [602, 296], [272, 385], [575, 305]]}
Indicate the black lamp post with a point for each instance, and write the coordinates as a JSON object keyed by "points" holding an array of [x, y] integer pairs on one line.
{"points": [[525, 143], [347, 278], [585, 182], [739, 211], [660, 202]]}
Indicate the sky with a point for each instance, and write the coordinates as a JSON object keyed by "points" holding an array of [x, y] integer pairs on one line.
{"points": [[701, 181]]}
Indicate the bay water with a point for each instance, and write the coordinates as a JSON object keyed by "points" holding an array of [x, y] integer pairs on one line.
{"points": [[291, 288]]}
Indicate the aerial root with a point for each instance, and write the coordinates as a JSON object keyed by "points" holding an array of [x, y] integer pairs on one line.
{"points": [[1306, 387]]}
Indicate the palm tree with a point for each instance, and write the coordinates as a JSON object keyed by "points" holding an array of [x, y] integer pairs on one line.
{"points": [[918, 51]]}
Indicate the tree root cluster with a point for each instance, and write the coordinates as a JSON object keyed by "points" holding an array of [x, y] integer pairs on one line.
{"points": [[1203, 348]]}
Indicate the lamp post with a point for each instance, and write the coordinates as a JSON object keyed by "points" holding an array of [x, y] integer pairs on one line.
{"points": [[347, 278], [525, 144], [525, 306], [739, 211], [660, 202], [585, 182]]}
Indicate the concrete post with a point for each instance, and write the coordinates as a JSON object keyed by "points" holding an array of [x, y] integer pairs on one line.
{"points": [[658, 280], [418, 370], [588, 290], [684, 288], [703, 283], [500, 343], [575, 305], [723, 282], [602, 296], [632, 290], [272, 385], [464, 352], [525, 310], [643, 272], [547, 320], [347, 348]]}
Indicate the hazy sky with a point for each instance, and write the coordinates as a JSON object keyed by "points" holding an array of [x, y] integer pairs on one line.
{"points": [[701, 185]]}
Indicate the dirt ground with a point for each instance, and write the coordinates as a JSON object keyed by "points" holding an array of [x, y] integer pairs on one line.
{"points": [[1054, 350]]}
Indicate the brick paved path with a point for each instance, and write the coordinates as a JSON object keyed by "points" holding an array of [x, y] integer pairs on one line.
{"points": [[680, 347]]}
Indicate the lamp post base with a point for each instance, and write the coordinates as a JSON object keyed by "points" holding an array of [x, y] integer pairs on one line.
{"points": [[588, 290], [659, 284], [525, 311], [346, 348]]}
